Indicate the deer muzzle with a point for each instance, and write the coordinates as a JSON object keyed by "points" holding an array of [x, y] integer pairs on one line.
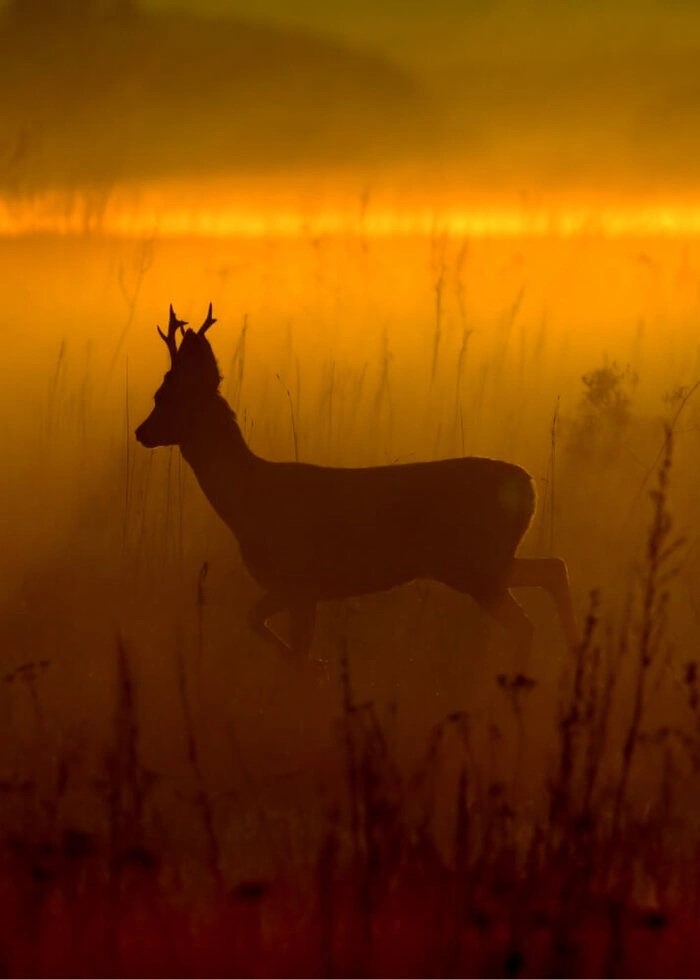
{"points": [[147, 435]]}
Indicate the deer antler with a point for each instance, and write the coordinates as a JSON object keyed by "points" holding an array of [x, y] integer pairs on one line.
{"points": [[173, 326], [207, 323]]}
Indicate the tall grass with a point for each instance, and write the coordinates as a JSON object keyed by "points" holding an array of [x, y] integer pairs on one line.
{"points": [[177, 798]]}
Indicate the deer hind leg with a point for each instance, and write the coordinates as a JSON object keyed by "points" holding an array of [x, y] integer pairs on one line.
{"points": [[551, 575], [507, 611]]}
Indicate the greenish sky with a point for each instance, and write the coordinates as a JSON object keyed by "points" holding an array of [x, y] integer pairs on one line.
{"points": [[430, 30], [525, 92]]}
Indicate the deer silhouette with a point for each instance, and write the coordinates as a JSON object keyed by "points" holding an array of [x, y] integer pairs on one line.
{"points": [[311, 533]]}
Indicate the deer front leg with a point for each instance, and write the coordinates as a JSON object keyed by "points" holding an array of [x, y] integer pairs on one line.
{"points": [[259, 614], [302, 615], [302, 620]]}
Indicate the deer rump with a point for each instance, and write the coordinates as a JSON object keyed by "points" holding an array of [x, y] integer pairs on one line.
{"points": [[329, 533]]}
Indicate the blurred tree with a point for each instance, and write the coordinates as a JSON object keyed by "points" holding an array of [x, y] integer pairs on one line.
{"points": [[37, 12]]}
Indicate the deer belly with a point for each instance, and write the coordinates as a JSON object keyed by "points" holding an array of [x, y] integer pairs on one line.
{"points": [[343, 582], [333, 568], [345, 561]]}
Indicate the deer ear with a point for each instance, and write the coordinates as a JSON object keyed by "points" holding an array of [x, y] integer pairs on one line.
{"points": [[207, 323]]}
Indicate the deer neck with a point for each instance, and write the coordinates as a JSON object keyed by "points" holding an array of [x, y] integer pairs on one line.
{"points": [[219, 456]]}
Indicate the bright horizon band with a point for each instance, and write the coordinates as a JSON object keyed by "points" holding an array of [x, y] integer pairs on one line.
{"points": [[76, 214]]}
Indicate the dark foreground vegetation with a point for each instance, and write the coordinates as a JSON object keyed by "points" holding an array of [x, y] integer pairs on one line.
{"points": [[456, 864]]}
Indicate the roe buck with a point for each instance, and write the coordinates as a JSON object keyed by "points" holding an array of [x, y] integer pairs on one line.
{"points": [[309, 533]]}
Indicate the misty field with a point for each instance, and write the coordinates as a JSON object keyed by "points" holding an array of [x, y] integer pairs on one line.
{"points": [[180, 799]]}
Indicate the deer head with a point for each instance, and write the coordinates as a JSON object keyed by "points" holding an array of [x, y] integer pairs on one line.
{"points": [[192, 380]]}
